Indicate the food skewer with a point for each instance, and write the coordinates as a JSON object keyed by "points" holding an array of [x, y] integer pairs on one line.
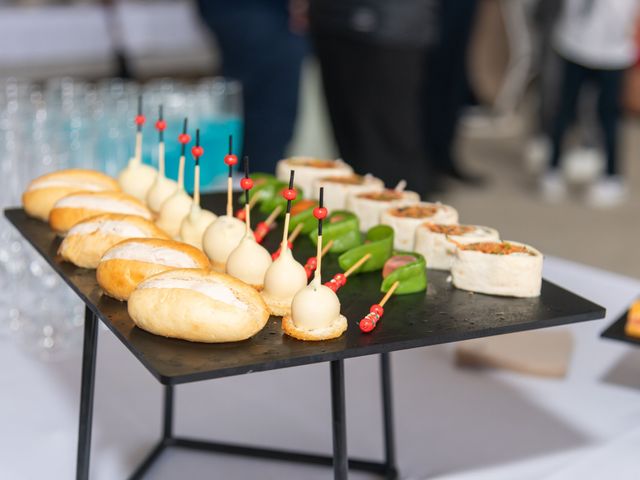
{"points": [[196, 222], [340, 279], [315, 310], [136, 178], [224, 235], [312, 262], [371, 319], [263, 228], [162, 187], [249, 261], [230, 159]]}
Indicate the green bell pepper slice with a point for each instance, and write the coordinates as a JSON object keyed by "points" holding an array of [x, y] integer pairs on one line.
{"points": [[378, 242], [343, 228], [412, 276]]}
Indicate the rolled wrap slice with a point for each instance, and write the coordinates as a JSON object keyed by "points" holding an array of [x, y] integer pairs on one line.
{"points": [[437, 242], [309, 169], [370, 205], [405, 219], [338, 188], [498, 268]]}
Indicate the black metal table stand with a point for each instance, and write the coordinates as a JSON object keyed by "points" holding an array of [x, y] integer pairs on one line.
{"points": [[340, 461]]}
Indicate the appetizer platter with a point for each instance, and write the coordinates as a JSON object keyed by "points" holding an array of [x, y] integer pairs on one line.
{"points": [[627, 327], [316, 263], [441, 313]]}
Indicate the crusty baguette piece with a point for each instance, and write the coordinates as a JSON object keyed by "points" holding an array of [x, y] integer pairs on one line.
{"points": [[43, 192], [199, 306], [88, 240], [76, 207], [128, 263]]}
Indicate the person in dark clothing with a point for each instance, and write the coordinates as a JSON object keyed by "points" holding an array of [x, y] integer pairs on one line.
{"points": [[371, 54], [446, 88], [260, 49]]}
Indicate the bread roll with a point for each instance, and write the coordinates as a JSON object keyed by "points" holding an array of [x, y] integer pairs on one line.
{"points": [[308, 170], [369, 205], [199, 306], [338, 188], [43, 192], [126, 264], [88, 240], [437, 242], [79, 206], [405, 219], [498, 268]]}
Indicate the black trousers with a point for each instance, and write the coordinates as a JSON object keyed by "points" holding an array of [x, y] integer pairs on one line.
{"points": [[446, 89], [372, 94], [608, 83], [259, 49]]}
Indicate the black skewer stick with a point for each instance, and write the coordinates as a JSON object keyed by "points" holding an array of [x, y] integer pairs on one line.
{"points": [[290, 188], [197, 159], [139, 125], [246, 175], [184, 131], [160, 131], [230, 153], [320, 204]]}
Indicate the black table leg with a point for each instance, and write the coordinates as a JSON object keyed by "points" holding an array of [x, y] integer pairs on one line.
{"points": [[340, 459], [89, 351], [167, 425], [387, 409]]}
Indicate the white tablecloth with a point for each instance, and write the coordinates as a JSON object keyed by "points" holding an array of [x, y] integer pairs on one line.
{"points": [[450, 423]]}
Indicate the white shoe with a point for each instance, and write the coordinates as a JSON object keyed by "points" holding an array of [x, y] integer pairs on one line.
{"points": [[607, 192], [553, 186]]}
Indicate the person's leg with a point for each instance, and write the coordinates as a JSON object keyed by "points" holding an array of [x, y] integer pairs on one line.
{"points": [[610, 190], [373, 109], [574, 76], [609, 83], [446, 85], [259, 49]]}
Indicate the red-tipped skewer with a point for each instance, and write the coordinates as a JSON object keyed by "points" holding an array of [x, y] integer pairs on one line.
{"points": [[371, 319]]}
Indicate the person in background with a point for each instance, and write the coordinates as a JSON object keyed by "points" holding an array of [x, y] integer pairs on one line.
{"points": [[595, 40], [263, 48], [371, 54], [446, 89]]}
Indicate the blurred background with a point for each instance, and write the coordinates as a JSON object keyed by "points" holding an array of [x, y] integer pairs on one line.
{"points": [[523, 114]]}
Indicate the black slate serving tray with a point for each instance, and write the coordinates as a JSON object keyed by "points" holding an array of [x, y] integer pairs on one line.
{"points": [[615, 331], [444, 314]]}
